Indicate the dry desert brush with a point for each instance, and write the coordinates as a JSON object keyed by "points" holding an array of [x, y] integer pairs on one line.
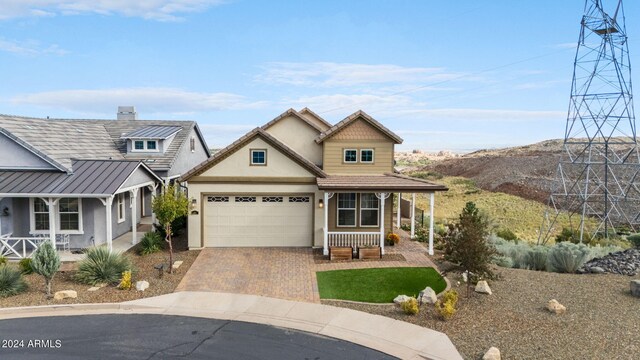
{"points": [[46, 262]]}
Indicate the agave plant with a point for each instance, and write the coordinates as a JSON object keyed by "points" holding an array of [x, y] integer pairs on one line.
{"points": [[102, 266]]}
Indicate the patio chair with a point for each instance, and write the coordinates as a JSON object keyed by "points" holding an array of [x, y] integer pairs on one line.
{"points": [[62, 241]]}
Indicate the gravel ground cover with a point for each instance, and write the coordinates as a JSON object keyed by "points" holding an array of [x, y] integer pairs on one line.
{"points": [[144, 270], [602, 319]]}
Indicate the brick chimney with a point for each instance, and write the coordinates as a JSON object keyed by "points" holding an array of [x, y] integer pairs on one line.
{"points": [[127, 113]]}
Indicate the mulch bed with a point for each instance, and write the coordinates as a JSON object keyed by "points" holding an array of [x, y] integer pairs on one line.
{"points": [[602, 319], [143, 270], [319, 258]]}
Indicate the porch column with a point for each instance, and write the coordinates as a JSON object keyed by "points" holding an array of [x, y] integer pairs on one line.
{"points": [[383, 197], [431, 201], [153, 188], [51, 203], [325, 227], [1, 219], [109, 227], [399, 210], [134, 227], [413, 215]]}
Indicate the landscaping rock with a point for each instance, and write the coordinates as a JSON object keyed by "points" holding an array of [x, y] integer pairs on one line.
{"points": [[625, 262], [555, 307], [635, 288], [94, 288], [65, 294], [176, 265], [427, 296], [465, 276], [492, 354], [483, 288], [400, 299], [142, 285], [597, 270]]}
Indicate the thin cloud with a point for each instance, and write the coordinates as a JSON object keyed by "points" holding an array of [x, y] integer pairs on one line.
{"points": [[155, 100], [329, 74], [30, 48], [161, 10]]}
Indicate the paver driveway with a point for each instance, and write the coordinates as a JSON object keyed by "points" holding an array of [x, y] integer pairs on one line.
{"points": [[285, 273]]}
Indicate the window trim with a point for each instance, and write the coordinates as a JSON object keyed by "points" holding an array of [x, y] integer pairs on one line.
{"points": [[373, 156], [355, 211], [121, 201], [145, 145], [377, 209], [56, 211], [251, 163], [344, 156]]}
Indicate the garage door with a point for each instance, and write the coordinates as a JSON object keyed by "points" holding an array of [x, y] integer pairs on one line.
{"points": [[258, 220]]}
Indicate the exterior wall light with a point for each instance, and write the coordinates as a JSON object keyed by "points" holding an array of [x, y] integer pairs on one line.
{"points": [[321, 203]]}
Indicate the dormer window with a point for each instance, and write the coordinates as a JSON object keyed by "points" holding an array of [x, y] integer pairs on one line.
{"points": [[153, 138], [145, 145], [138, 145], [152, 145]]}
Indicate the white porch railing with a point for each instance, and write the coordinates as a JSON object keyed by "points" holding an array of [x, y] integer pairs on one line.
{"points": [[353, 239], [16, 248]]}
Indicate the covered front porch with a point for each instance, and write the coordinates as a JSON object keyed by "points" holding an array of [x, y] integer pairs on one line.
{"points": [[358, 210]]}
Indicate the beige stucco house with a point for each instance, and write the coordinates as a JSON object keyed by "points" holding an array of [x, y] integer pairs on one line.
{"points": [[299, 181]]}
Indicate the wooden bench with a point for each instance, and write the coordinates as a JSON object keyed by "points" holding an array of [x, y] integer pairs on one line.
{"points": [[340, 253]]}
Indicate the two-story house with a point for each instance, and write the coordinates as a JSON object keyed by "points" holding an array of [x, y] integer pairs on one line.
{"points": [[86, 182], [300, 181]]}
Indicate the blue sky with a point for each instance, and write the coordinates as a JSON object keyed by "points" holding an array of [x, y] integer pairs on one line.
{"points": [[445, 75]]}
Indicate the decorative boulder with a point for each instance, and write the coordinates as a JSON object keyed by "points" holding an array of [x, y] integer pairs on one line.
{"points": [[555, 307], [94, 288], [635, 288], [492, 354], [465, 276], [142, 285], [65, 294], [597, 270], [483, 288], [176, 265], [400, 299], [427, 296]]}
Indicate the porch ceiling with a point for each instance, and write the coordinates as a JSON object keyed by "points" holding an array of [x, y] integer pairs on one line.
{"points": [[378, 183]]}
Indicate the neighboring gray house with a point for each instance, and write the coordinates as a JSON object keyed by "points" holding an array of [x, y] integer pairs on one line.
{"points": [[93, 179]]}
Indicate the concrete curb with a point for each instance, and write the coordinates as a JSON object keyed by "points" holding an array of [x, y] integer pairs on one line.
{"points": [[393, 337]]}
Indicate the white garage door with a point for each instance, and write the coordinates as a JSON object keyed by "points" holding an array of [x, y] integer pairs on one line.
{"points": [[258, 220]]}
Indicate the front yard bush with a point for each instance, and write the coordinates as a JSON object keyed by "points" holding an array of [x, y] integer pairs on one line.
{"points": [[102, 266], [446, 306], [125, 281], [538, 258], [46, 262], [25, 266], [566, 257], [11, 281], [410, 307], [151, 242], [3, 260]]}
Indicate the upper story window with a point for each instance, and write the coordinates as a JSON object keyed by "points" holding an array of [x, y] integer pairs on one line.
{"points": [[152, 145], [138, 145], [258, 157], [145, 145], [350, 155], [366, 155]]}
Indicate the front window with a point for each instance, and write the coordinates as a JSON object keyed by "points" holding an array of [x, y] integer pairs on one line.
{"points": [[40, 214], [151, 145], [347, 209], [366, 155], [121, 207], [69, 214], [258, 157], [368, 210], [138, 145], [350, 155]]}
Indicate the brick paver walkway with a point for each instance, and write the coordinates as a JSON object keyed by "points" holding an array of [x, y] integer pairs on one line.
{"points": [[285, 273]]}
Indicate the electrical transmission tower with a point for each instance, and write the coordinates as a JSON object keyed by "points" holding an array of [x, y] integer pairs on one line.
{"points": [[598, 179]]}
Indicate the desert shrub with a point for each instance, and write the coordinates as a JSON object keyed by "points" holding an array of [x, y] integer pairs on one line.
{"points": [[600, 251], [538, 258], [634, 239], [507, 235], [151, 242], [25, 266], [11, 281], [405, 227], [517, 252], [422, 234], [46, 262], [439, 229], [3, 260], [446, 305], [102, 266], [410, 307], [426, 175], [503, 261], [125, 281], [566, 257], [569, 235]]}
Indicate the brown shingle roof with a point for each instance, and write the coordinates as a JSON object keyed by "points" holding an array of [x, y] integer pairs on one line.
{"points": [[353, 117], [386, 182], [291, 112], [236, 145]]}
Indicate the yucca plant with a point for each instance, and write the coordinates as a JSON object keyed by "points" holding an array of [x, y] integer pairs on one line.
{"points": [[151, 242], [11, 281], [102, 266]]}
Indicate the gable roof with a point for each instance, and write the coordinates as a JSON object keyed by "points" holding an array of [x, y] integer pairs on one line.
{"points": [[89, 177], [353, 117], [152, 132], [236, 145], [291, 112], [315, 116], [58, 141]]}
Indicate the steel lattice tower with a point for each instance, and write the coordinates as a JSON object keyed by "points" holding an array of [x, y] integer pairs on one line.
{"points": [[598, 179]]}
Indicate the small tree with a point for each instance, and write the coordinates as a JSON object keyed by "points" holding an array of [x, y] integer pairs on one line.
{"points": [[466, 243], [169, 206], [46, 262]]}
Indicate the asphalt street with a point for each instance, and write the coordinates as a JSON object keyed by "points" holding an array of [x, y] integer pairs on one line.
{"points": [[163, 336]]}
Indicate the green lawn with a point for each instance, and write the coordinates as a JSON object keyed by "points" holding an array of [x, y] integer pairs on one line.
{"points": [[377, 285]]}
